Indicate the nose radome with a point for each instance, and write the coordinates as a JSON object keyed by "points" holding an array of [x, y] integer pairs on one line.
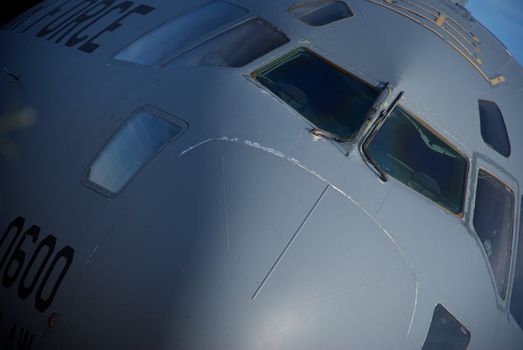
{"points": [[252, 252], [340, 280]]}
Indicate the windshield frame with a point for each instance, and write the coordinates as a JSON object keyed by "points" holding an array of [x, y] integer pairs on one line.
{"points": [[509, 273], [379, 87], [375, 130]]}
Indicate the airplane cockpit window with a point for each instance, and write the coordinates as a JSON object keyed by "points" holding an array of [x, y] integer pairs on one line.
{"points": [[446, 332], [327, 96], [137, 141], [171, 37], [493, 222], [405, 149], [516, 300], [493, 129], [320, 12], [235, 47]]}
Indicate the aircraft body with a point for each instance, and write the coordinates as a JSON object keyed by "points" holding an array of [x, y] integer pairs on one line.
{"points": [[250, 174]]}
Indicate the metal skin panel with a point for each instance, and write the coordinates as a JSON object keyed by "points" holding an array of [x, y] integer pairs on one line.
{"points": [[213, 289], [216, 257], [247, 232], [372, 290], [457, 282]]}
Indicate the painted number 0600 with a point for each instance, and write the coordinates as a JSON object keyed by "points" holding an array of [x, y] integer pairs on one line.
{"points": [[25, 271]]}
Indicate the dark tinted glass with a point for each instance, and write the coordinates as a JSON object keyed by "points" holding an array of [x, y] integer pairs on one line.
{"points": [[319, 13], [409, 152], [516, 301], [135, 143], [446, 332], [329, 98], [493, 220], [169, 38], [236, 47], [493, 128]]}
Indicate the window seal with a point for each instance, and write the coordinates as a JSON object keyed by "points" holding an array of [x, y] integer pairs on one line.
{"points": [[381, 121], [84, 180], [286, 56], [294, 6], [223, 29], [184, 48], [506, 135], [454, 316], [504, 298], [518, 237]]}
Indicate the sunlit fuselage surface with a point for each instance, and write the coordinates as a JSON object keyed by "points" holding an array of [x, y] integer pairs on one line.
{"points": [[247, 174]]}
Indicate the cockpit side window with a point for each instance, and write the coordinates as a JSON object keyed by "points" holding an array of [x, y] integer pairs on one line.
{"points": [[235, 47], [175, 35], [516, 301], [137, 141], [407, 150], [493, 222], [493, 129], [327, 96], [320, 12], [446, 332]]}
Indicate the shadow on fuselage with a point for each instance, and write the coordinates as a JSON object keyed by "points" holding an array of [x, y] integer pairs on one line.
{"points": [[11, 9]]}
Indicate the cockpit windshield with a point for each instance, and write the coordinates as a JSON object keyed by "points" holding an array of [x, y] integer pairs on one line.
{"points": [[327, 96], [408, 151]]}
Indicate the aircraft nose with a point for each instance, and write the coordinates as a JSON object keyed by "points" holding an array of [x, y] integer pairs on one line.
{"points": [[339, 280], [248, 252]]}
